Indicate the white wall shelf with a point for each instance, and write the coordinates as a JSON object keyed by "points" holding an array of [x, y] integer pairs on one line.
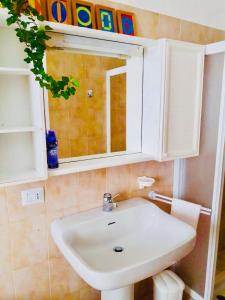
{"points": [[97, 34], [15, 104], [18, 129], [91, 33], [99, 163], [14, 71], [22, 128], [7, 179]]}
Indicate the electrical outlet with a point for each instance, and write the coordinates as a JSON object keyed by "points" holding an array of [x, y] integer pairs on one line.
{"points": [[32, 196]]}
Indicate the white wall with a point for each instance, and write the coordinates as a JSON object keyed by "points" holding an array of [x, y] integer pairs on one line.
{"points": [[206, 12]]}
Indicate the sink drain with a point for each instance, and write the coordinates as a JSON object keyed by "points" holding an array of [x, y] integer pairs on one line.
{"points": [[118, 249]]}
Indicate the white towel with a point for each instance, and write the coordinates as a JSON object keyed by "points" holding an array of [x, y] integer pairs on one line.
{"points": [[186, 212]]}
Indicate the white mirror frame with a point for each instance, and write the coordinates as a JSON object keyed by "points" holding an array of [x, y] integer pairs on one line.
{"points": [[134, 69]]}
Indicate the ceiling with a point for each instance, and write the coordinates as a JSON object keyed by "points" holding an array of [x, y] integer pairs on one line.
{"points": [[206, 12]]}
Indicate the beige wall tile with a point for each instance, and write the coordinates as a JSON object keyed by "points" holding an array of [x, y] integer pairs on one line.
{"points": [[5, 257], [28, 241], [150, 23], [15, 210], [64, 281], [53, 250], [61, 192], [119, 181], [215, 35], [92, 186], [3, 207], [6, 278], [32, 283], [69, 296], [194, 33], [71, 210], [168, 27], [161, 172], [89, 293], [6, 284]]}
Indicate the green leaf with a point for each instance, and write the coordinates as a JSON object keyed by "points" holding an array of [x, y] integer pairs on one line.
{"points": [[76, 83], [11, 20], [47, 27], [40, 18], [34, 36]]}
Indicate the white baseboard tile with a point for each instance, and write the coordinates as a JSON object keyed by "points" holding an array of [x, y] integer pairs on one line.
{"points": [[193, 294]]}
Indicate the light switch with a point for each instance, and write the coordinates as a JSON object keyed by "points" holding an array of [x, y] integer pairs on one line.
{"points": [[32, 196]]}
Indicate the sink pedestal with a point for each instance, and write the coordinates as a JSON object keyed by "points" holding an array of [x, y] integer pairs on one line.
{"points": [[126, 293]]}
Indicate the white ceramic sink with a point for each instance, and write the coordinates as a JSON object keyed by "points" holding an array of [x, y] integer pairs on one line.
{"points": [[151, 239]]}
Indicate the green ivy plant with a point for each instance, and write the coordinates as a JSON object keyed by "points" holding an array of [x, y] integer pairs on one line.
{"points": [[33, 34]]}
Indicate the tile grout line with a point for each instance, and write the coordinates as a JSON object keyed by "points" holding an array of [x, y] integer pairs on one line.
{"points": [[48, 244], [10, 244], [180, 30]]}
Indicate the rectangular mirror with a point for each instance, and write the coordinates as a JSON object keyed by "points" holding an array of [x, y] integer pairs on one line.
{"points": [[93, 121], [96, 121]]}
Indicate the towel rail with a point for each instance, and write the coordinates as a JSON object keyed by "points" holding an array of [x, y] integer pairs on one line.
{"points": [[168, 200]]}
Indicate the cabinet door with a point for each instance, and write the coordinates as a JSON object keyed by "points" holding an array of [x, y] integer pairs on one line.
{"points": [[182, 100]]}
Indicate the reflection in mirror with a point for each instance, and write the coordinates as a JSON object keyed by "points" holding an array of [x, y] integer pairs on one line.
{"points": [[94, 120], [117, 110]]}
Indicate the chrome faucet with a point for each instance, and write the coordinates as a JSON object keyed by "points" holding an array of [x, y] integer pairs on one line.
{"points": [[108, 204]]}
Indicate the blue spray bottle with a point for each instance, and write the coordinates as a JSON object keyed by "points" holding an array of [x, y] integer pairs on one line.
{"points": [[52, 150]]}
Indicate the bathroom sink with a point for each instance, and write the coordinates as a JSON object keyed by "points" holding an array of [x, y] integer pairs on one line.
{"points": [[113, 250]]}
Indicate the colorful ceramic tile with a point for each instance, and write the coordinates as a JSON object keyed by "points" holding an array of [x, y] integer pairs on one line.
{"points": [[59, 11], [39, 5], [106, 18], [83, 14], [126, 22]]}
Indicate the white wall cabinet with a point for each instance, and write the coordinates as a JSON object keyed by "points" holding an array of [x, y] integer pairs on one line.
{"points": [[22, 129], [172, 102], [171, 108]]}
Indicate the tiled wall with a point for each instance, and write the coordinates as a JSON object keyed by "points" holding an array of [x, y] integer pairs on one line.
{"points": [[80, 123], [31, 268]]}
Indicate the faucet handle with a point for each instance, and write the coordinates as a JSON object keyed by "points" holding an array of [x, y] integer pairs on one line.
{"points": [[115, 196]]}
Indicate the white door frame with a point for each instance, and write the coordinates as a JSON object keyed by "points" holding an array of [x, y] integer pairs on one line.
{"points": [[217, 190], [109, 74], [218, 185]]}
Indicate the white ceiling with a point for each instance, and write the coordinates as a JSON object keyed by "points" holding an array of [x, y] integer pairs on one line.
{"points": [[206, 12]]}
